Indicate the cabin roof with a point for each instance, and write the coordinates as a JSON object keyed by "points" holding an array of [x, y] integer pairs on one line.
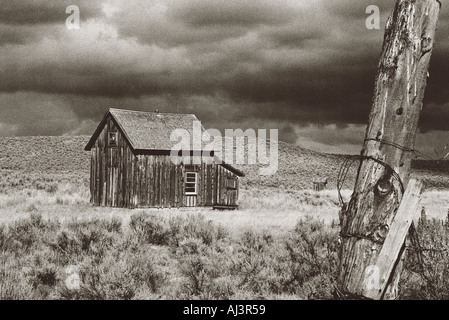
{"points": [[147, 130], [150, 131]]}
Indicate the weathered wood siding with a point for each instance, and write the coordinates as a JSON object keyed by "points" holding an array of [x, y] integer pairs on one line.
{"points": [[111, 170], [119, 178], [226, 195], [160, 183]]}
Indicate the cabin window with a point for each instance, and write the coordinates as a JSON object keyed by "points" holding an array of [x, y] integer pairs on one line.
{"points": [[191, 183], [113, 136], [231, 183]]}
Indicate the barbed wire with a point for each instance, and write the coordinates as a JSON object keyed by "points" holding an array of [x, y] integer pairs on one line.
{"points": [[405, 149], [342, 173], [349, 161], [347, 165]]}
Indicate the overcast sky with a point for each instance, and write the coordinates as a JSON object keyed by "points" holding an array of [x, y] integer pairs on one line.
{"points": [[306, 68]]}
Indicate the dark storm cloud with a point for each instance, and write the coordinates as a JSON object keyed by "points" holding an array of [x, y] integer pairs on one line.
{"points": [[186, 22], [350, 10], [287, 134], [292, 35], [205, 13], [435, 117], [290, 61], [16, 34], [30, 12], [245, 60]]}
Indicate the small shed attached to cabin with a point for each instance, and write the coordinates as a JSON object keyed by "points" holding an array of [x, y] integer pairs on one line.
{"points": [[131, 165]]}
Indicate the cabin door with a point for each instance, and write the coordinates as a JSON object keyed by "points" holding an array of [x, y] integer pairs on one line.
{"points": [[190, 189]]}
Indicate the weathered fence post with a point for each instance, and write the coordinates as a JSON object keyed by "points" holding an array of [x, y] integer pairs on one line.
{"points": [[387, 151], [378, 275]]}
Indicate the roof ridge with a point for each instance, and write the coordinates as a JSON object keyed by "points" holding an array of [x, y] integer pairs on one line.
{"points": [[149, 112]]}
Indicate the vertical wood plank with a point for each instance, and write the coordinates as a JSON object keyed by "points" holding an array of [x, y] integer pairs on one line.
{"points": [[157, 181], [379, 273], [152, 181], [147, 181]]}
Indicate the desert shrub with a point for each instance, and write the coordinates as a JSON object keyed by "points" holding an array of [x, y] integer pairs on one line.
{"points": [[426, 274], [251, 251], [313, 264], [228, 267], [22, 234], [43, 280], [150, 228], [120, 279], [195, 226], [201, 281], [31, 208], [93, 237], [184, 257], [51, 187], [157, 230], [113, 265], [312, 198], [111, 225], [128, 242], [4, 238], [193, 267], [66, 244], [321, 286], [207, 270], [252, 241], [25, 233], [13, 286], [190, 246], [259, 263]]}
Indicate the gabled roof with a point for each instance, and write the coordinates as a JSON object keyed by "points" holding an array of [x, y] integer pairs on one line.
{"points": [[150, 131], [147, 130]]}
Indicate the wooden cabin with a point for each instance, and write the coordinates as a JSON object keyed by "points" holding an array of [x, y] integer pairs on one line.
{"points": [[131, 165]]}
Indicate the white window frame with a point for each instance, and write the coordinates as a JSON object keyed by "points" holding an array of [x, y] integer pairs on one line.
{"points": [[196, 184]]}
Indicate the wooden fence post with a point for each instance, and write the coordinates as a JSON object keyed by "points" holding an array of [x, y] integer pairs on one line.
{"points": [[379, 274], [387, 151]]}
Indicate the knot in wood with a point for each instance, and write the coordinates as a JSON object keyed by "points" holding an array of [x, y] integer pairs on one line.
{"points": [[378, 233], [379, 134], [381, 232], [426, 44], [384, 185]]}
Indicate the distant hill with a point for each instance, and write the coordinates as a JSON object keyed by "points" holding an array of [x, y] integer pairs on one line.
{"points": [[54, 154], [297, 168]]}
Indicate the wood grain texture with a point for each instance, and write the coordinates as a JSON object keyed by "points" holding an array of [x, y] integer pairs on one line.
{"points": [[379, 274], [120, 178], [397, 102]]}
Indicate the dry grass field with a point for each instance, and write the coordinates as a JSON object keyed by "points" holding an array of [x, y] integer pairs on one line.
{"points": [[50, 175], [280, 244]]}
